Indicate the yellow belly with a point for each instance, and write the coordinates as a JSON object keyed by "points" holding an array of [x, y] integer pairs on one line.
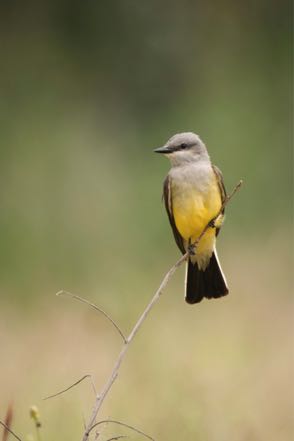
{"points": [[192, 211]]}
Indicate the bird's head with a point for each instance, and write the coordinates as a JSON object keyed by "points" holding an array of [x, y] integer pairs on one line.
{"points": [[183, 148]]}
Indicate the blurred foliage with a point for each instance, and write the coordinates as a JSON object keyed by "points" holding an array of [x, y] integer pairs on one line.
{"points": [[90, 88]]}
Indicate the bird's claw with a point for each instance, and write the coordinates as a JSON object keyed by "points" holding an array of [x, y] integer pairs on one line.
{"points": [[191, 249], [211, 223]]}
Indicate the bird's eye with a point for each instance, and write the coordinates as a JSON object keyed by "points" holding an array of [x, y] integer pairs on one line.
{"points": [[183, 146]]}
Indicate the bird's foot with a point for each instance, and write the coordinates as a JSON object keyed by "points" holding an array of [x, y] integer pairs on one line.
{"points": [[211, 223], [191, 249]]}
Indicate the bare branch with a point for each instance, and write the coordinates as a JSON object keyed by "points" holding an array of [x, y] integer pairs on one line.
{"points": [[117, 437], [120, 423], [82, 300], [70, 387], [228, 198], [124, 349], [114, 374], [10, 431], [226, 201]]}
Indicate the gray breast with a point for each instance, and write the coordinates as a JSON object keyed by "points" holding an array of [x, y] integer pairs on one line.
{"points": [[196, 175]]}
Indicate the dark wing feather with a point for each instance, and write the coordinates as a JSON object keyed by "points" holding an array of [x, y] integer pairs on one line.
{"points": [[221, 186], [169, 210]]}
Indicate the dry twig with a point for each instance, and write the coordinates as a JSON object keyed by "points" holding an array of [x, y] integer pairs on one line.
{"points": [[71, 386], [114, 373], [82, 300], [10, 431], [120, 423], [117, 437]]}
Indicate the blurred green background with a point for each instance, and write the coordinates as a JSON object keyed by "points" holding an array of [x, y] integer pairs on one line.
{"points": [[88, 89]]}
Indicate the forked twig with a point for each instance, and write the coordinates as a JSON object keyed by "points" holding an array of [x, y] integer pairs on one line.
{"points": [[10, 431], [71, 386], [120, 423], [111, 379], [82, 300]]}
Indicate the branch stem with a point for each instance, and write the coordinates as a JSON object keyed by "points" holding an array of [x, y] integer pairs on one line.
{"points": [[120, 423], [71, 386], [10, 431], [114, 373]]}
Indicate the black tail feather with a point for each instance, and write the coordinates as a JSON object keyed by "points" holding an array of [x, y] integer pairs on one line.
{"points": [[209, 283]]}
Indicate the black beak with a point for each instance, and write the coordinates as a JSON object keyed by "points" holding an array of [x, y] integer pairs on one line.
{"points": [[164, 150]]}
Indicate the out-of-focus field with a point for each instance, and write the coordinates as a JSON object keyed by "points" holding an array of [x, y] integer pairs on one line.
{"points": [[217, 371], [88, 90]]}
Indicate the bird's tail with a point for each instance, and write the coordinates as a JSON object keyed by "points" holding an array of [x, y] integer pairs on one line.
{"points": [[210, 283]]}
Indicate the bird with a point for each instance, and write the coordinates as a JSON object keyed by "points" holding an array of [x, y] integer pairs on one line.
{"points": [[194, 194]]}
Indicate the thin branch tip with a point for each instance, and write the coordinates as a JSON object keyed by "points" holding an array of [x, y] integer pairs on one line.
{"points": [[92, 305], [117, 437], [120, 423], [237, 187], [68, 388], [59, 293]]}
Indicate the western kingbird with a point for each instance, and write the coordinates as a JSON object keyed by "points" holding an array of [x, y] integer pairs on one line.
{"points": [[194, 192]]}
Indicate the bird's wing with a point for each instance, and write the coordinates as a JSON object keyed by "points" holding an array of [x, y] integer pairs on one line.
{"points": [[168, 205], [221, 186]]}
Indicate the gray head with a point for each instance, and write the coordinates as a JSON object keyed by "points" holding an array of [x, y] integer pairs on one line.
{"points": [[184, 147]]}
